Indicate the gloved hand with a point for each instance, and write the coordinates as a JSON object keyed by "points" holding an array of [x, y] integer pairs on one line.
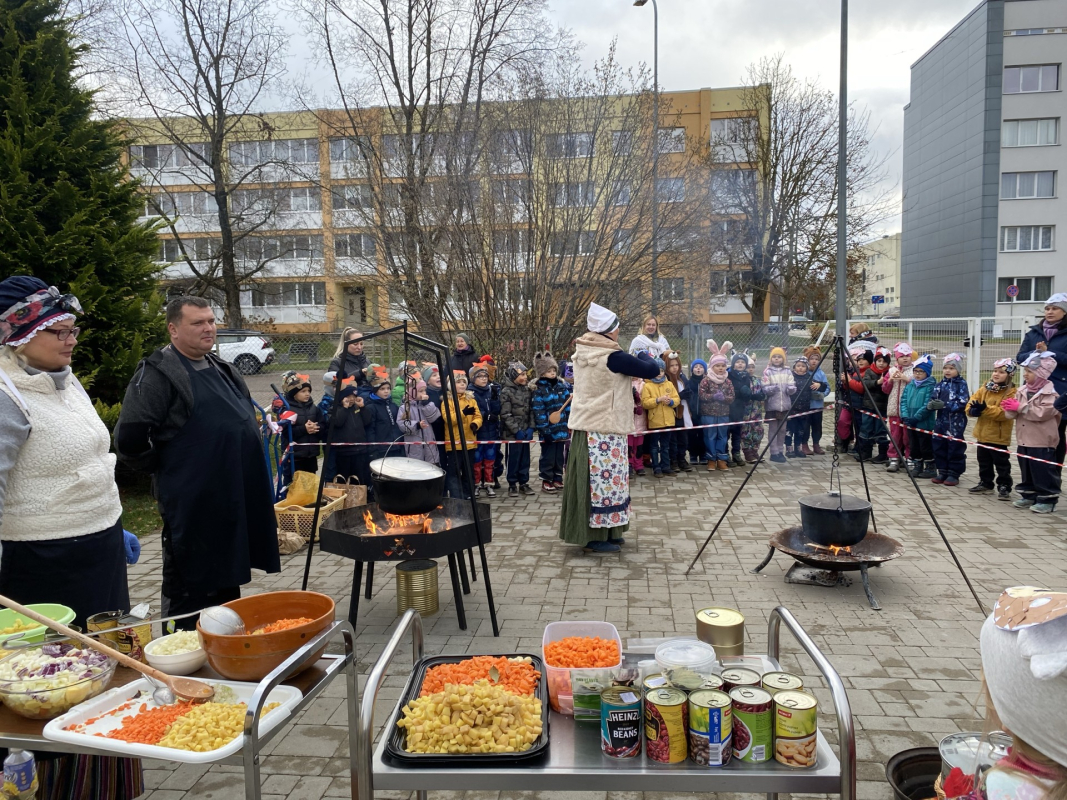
{"points": [[935, 405], [976, 409], [644, 356], [718, 397], [527, 434], [474, 427], [133, 547], [277, 405], [908, 421], [468, 412], [1009, 404]]}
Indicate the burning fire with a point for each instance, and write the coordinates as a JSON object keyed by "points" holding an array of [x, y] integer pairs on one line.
{"points": [[833, 549], [411, 523]]}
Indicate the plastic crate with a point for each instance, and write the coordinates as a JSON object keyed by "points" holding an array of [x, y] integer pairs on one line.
{"points": [[561, 680]]}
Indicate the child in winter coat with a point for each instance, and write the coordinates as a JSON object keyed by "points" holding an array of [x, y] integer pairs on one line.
{"points": [[992, 431], [487, 395], [872, 430], [948, 399], [752, 430], [660, 397], [635, 441], [716, 393], [778, 388], [405, 371], [919, 419], [415, 421], [820, 385], [893, 385], [469, 418], [347, 424], [379, 418], [307, 424], [682, 418], [551, 394], [698, 454], [741, 383], [516, 418], [852, 389], [797, 426], [1037, 433]]}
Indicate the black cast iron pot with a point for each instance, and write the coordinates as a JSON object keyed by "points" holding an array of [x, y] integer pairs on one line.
{"points": [[406, 485], [834, 519]]}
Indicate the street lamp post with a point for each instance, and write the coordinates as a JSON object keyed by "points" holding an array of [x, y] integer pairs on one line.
{"points": [[655, 144], [841, 312]]}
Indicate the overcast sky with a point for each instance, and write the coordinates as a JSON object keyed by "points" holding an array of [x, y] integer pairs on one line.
{"points": [[711, 42]]}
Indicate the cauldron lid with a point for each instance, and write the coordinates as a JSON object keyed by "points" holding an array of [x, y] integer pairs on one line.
{"points": [[405, 469], [831, 502]]}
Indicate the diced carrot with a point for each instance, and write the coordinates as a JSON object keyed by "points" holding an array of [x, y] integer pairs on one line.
{"points": [[582, 652], [515, 676]]}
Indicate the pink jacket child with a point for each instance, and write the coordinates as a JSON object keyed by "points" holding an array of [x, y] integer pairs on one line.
{"points": [[1037, 432], [778, 388], [635, 441], [896, 378]]}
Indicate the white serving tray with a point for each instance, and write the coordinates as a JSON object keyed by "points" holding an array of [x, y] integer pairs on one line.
{"points": [[287, 696]]}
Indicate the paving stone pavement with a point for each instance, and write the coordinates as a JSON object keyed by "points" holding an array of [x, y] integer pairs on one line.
{"points": [[912, 670]]}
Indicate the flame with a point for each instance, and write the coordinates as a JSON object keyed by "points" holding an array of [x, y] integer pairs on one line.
{"points": [[835, 550], [368, 520], [423, 521]]}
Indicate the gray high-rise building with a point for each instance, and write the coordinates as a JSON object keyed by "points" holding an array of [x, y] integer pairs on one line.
{"points": [[981, 165]]}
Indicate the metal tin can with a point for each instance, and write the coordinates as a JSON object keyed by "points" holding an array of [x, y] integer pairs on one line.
{"points": [[775, 682], [710, 725], [723, 628], [657, 681], [666, 723], [105, 621], [796, 725], [620, 722], [753, 724], [132, 642], [739, 676]]}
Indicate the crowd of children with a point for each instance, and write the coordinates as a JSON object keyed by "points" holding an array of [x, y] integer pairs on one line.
{"points": [[896, 411]]}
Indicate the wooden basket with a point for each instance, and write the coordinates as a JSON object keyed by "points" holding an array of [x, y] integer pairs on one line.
{"points": [[298, 519]]}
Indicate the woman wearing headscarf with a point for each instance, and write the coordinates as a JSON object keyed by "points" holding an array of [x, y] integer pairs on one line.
{"points": [[464, 356], [650, 340], [596, 493], [60, 514]]}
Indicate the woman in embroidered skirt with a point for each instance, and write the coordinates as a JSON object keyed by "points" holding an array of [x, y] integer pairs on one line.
{"points": [[60, 514], [596, 491]]}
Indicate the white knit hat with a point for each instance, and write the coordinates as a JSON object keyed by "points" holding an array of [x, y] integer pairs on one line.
{"points": [[601, 320]]}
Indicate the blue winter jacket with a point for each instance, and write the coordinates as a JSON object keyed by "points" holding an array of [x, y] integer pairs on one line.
{"points": [[913, 405], [549, 396], [488, 399], [379, 420], [951, 419], [824, 387]]}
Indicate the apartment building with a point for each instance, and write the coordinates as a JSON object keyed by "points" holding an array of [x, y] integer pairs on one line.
{"points": [[881, 277], [982, 165], [309, 201]]}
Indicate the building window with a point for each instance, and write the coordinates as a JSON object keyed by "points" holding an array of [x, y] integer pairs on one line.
{"points": [[669, 290], [672, 140], [276, 151], [570, 145], [180, 204], [1041, 78], [168, 156], [670, 190], [357, 195], [287, 248], [622, 142], [304, 198], [577, 195], [514, 193], [354, 245], [622, 193], [1026, 237], [308, 293], [580, 243], [1030, 132], [516, 240], [735, 130], [622, 241], [349, 148], [1031, 290], [678, 239], [197, 249], [1023, 185]]}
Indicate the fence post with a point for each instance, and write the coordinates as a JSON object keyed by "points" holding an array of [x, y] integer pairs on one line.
{"points": [[911, 338], [974, 358]]}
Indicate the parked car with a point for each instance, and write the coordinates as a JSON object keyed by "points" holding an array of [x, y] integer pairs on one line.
{"points": [[249, 351]]}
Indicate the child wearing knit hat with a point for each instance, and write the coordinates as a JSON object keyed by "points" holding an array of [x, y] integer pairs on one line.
{"points": [[487, 395], [740, 406], [415, 420], [949, 399], [659, 398], [307, 425], [918, 419], [898, 376], [551, 395], [992, 430], [820, 385], [752, 429], [698, 368], [716, 394], [683, 418], [1037, 433], [516, 420], [779, 388]]}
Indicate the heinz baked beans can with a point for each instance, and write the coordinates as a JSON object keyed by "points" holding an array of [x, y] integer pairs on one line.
{"points": [[739, 676], [753, 724], [796, 725], [620, 722], [775, 682], [666, 724], [710, 725]]}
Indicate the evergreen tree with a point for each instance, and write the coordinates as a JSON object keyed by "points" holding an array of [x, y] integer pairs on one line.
{"points": [[68, 208]]}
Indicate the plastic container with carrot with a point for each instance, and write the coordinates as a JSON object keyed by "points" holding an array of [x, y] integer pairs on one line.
{"points": [[580, 659]]}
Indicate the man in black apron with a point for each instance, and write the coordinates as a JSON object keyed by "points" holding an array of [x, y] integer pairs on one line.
{"points": [[188, 419]]}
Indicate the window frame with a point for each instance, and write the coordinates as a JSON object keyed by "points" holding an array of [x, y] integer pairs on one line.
{"points": [[1017, 126], [671, 140], [1032, 295], [1018, 180], [1039, 229], [1020, 72]]}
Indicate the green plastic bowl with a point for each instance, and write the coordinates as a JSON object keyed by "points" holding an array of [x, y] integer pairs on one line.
{"points": [[61, 614]]}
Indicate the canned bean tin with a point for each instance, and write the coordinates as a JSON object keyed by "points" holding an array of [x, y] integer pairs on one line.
{"points": [[796, 724], [133, 640], [753, 724], [666, 723], [775, 682], [710, 725], [739, 676], [620, 722], [656, 681]]}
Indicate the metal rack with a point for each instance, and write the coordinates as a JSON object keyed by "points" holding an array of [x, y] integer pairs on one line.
{"points": [[575, 762], [17, 732]]}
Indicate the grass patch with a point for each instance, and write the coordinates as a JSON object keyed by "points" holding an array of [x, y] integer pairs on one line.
{"points": [[140, 514]]}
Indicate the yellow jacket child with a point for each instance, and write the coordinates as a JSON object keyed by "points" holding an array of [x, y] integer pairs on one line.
{"points": [[468, 416], [660, 415], [993, 427]]}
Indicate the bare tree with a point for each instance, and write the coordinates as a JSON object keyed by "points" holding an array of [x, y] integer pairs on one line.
{"points": [[197, 73], [778, 201]]}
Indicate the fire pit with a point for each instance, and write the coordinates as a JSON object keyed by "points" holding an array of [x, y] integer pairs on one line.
{"points": [[367, 534], [823, 564]]}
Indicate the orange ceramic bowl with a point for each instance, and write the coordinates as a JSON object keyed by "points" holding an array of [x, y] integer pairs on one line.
{"points": [[252, 658]]}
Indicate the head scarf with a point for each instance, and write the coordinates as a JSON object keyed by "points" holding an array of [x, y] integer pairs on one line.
{"points": [[601, 320], [28, 305]]}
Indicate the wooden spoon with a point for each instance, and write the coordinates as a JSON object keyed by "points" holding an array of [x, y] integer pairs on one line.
{"points": [[185, 688]]}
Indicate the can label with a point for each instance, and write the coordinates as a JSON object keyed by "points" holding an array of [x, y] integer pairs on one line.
{"points": [[132, 641], [753, 724], [796, 724], [666, 722], [586, 691], [710, 726], [620, 722]]}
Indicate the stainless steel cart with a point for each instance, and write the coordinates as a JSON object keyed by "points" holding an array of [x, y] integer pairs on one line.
{"points": [[575, 762]]}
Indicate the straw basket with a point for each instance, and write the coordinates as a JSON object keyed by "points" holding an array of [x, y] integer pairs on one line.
{"points": [[298, 519]]}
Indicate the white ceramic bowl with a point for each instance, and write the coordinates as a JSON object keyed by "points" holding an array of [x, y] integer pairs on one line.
{"points": [[179, 664]]}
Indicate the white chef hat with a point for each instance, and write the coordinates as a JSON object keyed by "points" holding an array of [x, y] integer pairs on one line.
{"points": [[601, 320]]}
